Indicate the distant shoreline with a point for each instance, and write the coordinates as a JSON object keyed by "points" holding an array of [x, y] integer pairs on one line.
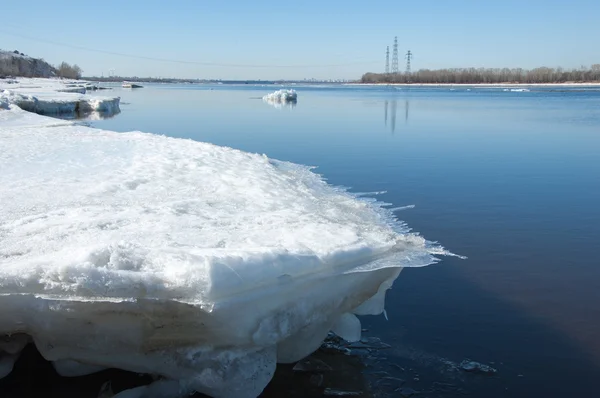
{"points": [[209, 81], [566, 84]]}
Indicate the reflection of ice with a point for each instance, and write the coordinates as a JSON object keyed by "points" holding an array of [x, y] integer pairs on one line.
{"points": [[281, 105], [100, 115], [93, 115]]}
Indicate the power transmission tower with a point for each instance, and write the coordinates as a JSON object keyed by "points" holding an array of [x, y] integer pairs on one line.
{"points": [[408, 58], [395, 56], [387, 60]]}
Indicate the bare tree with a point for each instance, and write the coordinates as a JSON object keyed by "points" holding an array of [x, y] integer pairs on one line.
{"points": [[69, 71]]}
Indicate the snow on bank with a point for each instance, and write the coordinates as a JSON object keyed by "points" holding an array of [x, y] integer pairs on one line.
{"points": [[282, 96], [201, 264], [53, 96]]}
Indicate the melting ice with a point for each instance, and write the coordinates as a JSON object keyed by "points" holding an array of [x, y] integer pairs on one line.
{"points": [[200, 264]]}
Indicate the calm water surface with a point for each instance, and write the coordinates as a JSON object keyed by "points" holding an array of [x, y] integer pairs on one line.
{"points": [[509, 179]]}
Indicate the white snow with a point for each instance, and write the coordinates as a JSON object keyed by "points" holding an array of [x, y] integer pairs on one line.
{"points": [[202, 264], [281, 96], [54, 96]]}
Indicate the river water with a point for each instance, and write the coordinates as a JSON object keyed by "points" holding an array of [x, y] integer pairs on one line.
{"points": [[510, 179]]}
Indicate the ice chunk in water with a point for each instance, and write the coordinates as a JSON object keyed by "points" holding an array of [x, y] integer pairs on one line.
{"points": [[282, 96], [201, 264]]}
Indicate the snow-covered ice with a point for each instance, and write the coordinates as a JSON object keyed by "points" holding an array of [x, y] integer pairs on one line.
{"points": [[282, 99], [282, 96], [201, 264], [54, 96]]}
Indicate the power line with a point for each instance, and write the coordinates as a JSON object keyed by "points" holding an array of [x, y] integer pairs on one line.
{"points": [[180, 61]]}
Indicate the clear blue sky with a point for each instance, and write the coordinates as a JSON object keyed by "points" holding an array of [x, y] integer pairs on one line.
{"points": [[301, 39]]}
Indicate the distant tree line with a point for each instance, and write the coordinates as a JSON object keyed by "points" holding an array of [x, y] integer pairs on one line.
{"points": [[488, 75]]}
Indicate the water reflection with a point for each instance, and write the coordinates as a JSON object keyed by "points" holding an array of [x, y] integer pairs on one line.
{"points": [[385, 113], [281, 104], [100, 115], [94, 115], [393, 104], [393, 117]]}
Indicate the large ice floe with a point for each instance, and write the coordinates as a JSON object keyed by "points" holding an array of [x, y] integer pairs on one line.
{"points": [[56, 97], [202, 265]]}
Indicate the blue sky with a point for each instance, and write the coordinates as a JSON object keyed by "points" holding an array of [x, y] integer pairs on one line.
{"points": [[300, 39]]}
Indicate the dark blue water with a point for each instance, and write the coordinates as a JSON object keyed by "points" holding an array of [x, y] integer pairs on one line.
{"points": [[509, 179]]}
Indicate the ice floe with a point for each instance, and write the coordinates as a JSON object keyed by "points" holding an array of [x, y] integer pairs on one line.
{"points": [[282, 96], [200, 264], [281, 99], [56, 97]]}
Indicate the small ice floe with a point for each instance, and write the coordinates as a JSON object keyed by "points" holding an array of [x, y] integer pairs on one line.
{"points": [[282, 99], [282, 96]]}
